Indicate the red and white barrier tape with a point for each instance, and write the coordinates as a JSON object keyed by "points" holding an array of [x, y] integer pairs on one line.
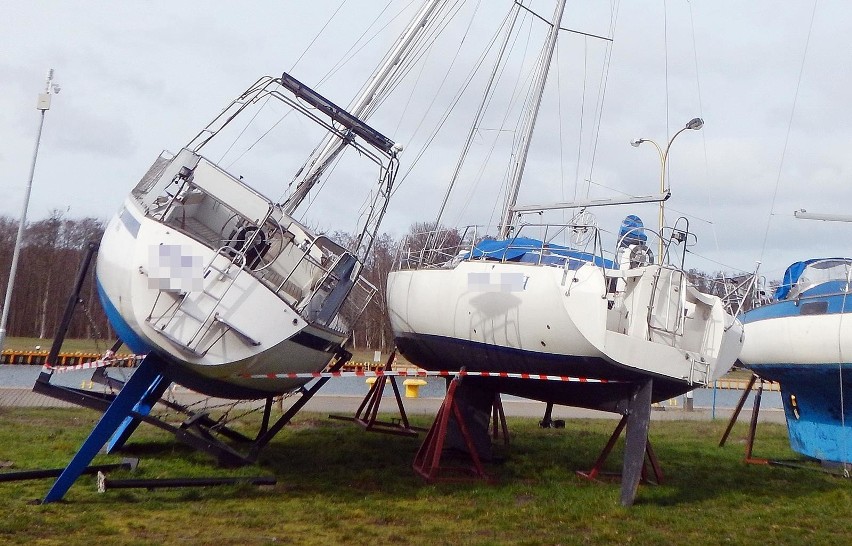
{"points": [[442, 373], [89, 365]]}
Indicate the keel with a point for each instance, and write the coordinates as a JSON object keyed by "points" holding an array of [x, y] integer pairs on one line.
{"points": [[638, 421]]}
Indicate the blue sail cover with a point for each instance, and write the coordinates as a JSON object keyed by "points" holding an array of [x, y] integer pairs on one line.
{"points": [[790, 277], [526, 249], [632, 231]]}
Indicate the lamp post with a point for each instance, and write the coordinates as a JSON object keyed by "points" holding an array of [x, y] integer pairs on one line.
{"points": [[43, 105], [693, 124]]}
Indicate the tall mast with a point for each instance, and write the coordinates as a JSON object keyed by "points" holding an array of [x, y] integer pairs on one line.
{"points": [[518, 173], [332, 145]]}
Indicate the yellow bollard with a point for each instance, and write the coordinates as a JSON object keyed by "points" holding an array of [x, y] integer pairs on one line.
{"points": [[412, 387], [370, 381]]}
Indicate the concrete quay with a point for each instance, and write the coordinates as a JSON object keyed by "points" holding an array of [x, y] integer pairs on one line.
{"points": [[11, 397]]}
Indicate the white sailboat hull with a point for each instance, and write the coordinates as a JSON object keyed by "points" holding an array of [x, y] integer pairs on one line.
{"points": [[216, 338], [803, 340], [531, 318]]}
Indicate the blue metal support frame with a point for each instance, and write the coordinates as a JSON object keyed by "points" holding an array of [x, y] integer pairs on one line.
{"points": [[142, 408], [136, 393]]}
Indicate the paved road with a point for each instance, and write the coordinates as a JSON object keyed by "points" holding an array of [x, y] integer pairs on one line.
{"points": [[348, 405]]}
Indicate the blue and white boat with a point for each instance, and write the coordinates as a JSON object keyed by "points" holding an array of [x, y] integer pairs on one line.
{"points": [[803, 340]]}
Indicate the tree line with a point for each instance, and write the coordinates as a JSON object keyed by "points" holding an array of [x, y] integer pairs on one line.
{"points": [[50, 254], [54, 247], [52, 250]]}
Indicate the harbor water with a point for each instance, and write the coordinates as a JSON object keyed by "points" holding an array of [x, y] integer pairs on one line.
{"points": [[24, 376]]}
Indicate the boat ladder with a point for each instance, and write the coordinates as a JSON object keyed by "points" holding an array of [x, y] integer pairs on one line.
{"points": [[699, 369], [665, 309], [195, 313]]}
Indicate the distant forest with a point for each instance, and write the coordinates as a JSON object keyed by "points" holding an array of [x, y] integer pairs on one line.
{"points": [[53, 249]]}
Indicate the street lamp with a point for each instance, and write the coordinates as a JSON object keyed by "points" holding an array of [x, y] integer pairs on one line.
{"points": [[43, 105], [693, 124]]}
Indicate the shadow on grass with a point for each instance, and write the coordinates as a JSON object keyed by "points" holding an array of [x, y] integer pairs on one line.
{"points": [[318, 456], [341, 459]]}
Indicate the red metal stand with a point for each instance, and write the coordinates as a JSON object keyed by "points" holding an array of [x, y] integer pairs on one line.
{"points": [[650, 458], [369, 408], [737, 410], [752, 428], [427, 462]]}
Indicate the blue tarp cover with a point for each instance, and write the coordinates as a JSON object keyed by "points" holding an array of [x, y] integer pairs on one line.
{"points": [[526, 249], [791, 276]]}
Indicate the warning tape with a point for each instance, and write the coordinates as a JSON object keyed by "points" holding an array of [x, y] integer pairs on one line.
{"points": [[362, 373], [420, 373], [91, 365]]}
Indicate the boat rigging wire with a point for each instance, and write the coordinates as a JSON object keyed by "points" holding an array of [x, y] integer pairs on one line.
{"points": [[334, 68], [483, 105], [787, 136], [448, 110], [318, 34], [666, 68], [421, 53], [352, 51], [239, 136], [420, 50], [582, 121], [602, 90], [844, 432], [709, 187]]}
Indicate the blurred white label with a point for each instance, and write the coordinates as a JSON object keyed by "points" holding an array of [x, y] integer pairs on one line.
{"points": [[174, 267], [496, 282]]}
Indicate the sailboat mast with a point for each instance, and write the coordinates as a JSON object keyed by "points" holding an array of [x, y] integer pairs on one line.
{"points": [[517, 175], [361, 106]]}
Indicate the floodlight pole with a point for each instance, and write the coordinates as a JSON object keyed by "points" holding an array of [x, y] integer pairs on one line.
{"points": [[694, 124], [43, 105]]}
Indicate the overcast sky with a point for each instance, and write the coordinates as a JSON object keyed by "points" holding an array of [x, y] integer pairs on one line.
{"points": [[140, 77]]}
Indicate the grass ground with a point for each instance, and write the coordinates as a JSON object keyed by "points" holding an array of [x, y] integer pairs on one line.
{"points": [[340, 485]]}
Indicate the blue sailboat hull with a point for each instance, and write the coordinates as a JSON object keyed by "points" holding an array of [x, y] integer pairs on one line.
{"points": [[816, 409], [803, 341]]}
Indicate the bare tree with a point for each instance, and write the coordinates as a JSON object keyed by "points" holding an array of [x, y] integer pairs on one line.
{"points": [[52, 250]]}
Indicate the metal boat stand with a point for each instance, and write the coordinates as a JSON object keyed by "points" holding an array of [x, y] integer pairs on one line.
{"points": [[124, 411], [132, 405], [40, 474], [638, 452], [369, 408], [427, 461], [752, 428], [650, 459], [105, 483], [498, 419]]}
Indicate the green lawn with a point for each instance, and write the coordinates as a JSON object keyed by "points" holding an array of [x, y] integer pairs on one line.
{"points": [[340, 485]]}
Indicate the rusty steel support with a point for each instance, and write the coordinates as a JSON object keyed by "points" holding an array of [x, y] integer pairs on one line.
{"points": [[427, 461]]}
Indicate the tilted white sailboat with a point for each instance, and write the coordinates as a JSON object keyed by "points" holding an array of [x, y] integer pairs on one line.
{"points": [[222, 282], [227, 291]]}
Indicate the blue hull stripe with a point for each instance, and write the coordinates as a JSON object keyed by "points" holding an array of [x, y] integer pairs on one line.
{"points": [[122, 329], [827, 305]]}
